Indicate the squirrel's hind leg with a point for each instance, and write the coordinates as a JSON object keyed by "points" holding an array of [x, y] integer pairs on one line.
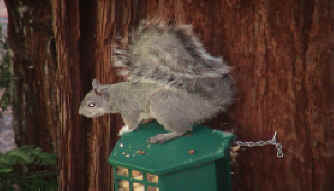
{"points": [[169, 109], [161, 138], [175, 127]]}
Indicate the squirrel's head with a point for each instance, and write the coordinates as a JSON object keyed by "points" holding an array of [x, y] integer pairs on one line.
{"points": [[95, 103]]}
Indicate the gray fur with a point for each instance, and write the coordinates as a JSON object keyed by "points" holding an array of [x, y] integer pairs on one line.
{"points": [[171, 78], [169, 55]]}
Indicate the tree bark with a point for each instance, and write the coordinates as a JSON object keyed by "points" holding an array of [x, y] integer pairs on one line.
{"points": [[71, 135], [30, 39], [281, 62]]}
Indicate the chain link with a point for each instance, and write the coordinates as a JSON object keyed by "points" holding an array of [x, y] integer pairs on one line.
{"points": [[273, 141]]}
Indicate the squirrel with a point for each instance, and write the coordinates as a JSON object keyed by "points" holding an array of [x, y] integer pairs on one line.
{"points": [[171, 78]]}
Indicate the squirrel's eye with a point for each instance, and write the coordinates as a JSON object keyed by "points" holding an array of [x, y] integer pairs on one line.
{"points": [[91, 105]]}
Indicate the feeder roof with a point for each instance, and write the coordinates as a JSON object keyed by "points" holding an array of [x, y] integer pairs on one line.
{"points": [[202, 145]]}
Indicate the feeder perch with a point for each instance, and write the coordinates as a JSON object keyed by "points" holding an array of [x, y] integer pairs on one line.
{"points": [[195, 162]]}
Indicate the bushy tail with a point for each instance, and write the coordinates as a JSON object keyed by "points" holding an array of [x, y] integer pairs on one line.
{"points": [[173, 56], [167, 54], [220, 91]]}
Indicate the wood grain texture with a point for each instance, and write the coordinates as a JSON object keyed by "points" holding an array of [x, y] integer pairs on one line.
{"points": [[71, 134], [29, 38]]}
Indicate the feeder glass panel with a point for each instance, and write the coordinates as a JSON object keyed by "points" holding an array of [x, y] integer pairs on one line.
{"points": [[123, 185], [122, 171], [152, 188], [137, 175], [152, 178], [138, 186]]}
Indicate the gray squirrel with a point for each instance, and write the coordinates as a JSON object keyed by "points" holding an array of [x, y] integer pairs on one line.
{"points": [[171, 78]]}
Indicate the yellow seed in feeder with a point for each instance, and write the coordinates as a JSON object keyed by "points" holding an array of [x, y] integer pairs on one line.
{"points": [[138, 186], [123, 185], [137, 175], [121, 171], [152, 178]]}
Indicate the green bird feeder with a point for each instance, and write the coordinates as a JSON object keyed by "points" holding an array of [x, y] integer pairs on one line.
{"points": [[194, 162]]}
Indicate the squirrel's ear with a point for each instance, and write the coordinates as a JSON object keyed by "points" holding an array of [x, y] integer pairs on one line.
{"points": [[95, 83]]}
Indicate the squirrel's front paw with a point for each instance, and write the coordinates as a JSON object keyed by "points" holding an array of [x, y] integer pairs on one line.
{"points": [[125, 129]]}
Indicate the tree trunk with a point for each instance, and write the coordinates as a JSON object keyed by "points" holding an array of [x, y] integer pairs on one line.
{"points": [[71, 135], [282, 68], [30, 38], [82, 31]]}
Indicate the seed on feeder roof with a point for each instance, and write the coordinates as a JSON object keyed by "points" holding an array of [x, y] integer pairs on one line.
{"points": [[191, 151], [140, 152]]}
